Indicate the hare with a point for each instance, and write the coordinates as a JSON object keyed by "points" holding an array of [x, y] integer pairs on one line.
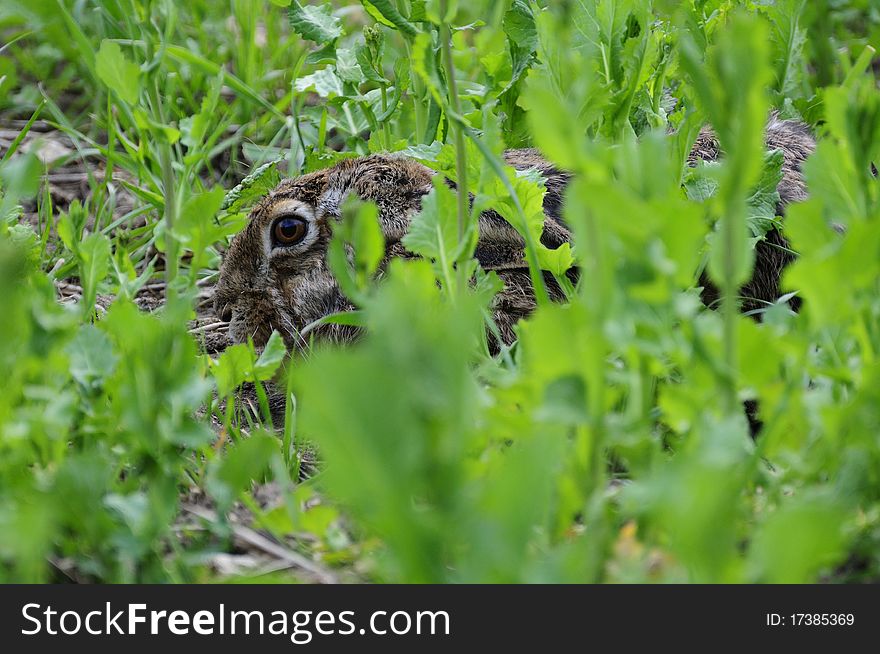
{"points": [[275, 274]]}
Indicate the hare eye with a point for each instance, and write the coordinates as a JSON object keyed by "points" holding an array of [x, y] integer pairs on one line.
{"points": [[289, 230]]}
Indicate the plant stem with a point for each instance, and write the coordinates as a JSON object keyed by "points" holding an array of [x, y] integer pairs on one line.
{"points": [[168, 193], [457, 132], [386, 128], [417, 87], [729, 310]]}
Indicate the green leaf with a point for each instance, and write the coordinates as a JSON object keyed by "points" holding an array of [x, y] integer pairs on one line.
{"points": [[65, 230], [386, 13], [94, 264], [240, 467], [92, 359], [352, 318], [762, 203], [563, 99], [232, 368], [424, 152], [519, 25], [324, 82], [197, 227], [699, 182], [357, 248], [26, 241], [369, 71], [798, 540], [238, 364], [194, 129], [731, 85], [348, 66], [117, 72], [21, 176], [522, 36], [414, 381], [252, 187], [314, 22], [557, 261], [424, 64], [161, 132], [270, 358], [365, 235], [433, 233], [433, 10], [788, 37], [197, 224], [531, 197]]}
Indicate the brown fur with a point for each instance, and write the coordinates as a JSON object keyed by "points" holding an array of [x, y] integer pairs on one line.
{"points": [[772, 254], [285, 289]]}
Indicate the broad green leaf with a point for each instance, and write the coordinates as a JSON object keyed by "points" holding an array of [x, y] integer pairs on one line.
{"points": [[519, 25], [789, 37], [348, 67], [368, 70], [94, 264], [557, 261], [324, 82], [798, 540], [762, 203], [270, 358], [25, 240], [531, 199], [387, 13], [424, 64], [434, 11], [362, 230], [197, 222], [522, 35], [314, 22], [117, 72], [424, 152], [414, 382], [242, 465], [20, 176], [699, 182], [92, 359], [232, 368], [433, 233], [252, 187]]}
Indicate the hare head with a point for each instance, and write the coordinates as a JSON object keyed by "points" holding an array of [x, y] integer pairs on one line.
{"points": [[275, 274]]}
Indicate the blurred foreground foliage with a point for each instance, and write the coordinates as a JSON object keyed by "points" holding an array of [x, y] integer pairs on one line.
{"points": [[608, 444]]}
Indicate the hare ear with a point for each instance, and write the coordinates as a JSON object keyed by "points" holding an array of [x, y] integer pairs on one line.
{"points": [[396, 216], [394, 183]]}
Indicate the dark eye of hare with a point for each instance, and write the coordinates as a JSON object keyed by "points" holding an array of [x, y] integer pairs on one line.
{"points": [[289, 230]]}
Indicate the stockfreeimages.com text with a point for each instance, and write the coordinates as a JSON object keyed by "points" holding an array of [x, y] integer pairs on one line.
{"points": [[299, 626]]}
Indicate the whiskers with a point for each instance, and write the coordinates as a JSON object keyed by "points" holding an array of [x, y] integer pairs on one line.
{"points": [[299, 340]]}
